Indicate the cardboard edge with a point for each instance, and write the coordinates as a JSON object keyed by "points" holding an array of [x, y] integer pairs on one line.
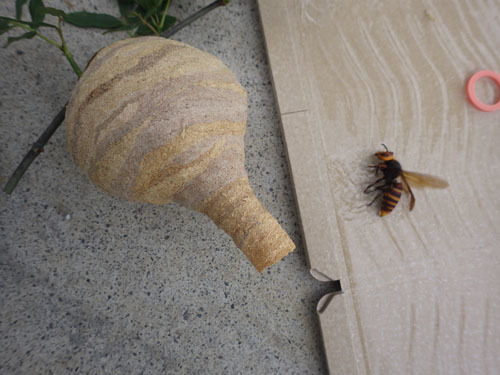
{"points": [[336, 335], [297, 124]]}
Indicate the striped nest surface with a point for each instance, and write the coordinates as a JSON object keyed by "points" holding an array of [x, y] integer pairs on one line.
{"points": [[155, 120]]}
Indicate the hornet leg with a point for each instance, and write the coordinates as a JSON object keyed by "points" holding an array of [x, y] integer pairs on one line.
{"points": [[382, 189], [375, 183], [374, 199]]}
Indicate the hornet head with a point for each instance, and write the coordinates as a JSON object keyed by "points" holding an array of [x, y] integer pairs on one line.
{"points": [[385, 155]]}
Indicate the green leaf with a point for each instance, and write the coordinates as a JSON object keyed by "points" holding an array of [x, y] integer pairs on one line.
{"points": [[54, 12], [37, 11], [4, 23], [19, 8], [12, 39], [143, 30], [33, 25], [146, 13], [132, 19], [126, 6], [169, 22], [97, 20], [150, 5], [121, 28], [5, 26]]}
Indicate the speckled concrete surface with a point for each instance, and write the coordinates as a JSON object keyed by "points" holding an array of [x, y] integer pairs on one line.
{"points": [[92, 284]]}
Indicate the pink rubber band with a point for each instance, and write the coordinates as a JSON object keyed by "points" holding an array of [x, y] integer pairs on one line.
{"points": [[471, 94]]}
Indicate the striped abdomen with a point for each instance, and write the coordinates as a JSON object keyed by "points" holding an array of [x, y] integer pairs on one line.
{"points": [[391, 198]]}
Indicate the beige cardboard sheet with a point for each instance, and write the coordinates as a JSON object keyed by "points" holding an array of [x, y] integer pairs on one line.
{"points": [[421, 290]]}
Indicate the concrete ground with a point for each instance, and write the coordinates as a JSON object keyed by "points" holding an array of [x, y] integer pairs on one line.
{"points": [[91, 284]]}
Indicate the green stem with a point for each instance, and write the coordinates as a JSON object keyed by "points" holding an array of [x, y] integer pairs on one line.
{"points": [[63, 47], [47, 39], [72, 62], [26, 27], [66, 52], [164, 15], [155, 20], [146, 23]]}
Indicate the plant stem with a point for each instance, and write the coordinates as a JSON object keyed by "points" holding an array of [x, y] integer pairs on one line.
{"points": [[72, 62], [193, 17], [146, 23], [63, 47], [35, 150], [47, 39], [66, 52], [155, 20], [26, 27], [164, 15]]}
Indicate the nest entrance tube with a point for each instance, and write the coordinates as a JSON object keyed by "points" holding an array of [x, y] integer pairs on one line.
{"points": [[236, 210]]}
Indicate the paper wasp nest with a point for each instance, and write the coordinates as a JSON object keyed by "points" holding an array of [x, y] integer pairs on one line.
{"points": [[155, 120]]}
